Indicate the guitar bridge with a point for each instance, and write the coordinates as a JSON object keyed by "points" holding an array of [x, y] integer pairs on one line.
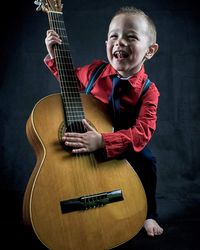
{"points": [[91, 201]]}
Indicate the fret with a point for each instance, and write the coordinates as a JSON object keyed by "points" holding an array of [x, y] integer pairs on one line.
{"points": [[70, 93], [73, 106], [69, 85], [71, 101]]}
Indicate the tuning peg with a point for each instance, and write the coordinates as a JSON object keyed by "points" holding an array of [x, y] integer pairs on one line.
{"points": [[39, 3]]}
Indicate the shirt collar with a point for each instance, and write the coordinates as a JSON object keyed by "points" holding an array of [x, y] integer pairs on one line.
{"points": [[135, 80]]}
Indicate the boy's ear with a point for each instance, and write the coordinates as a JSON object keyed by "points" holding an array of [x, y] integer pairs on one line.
{"points": [[106, 42], [151, 51]]}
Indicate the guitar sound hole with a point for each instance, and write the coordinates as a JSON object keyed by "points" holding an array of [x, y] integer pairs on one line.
{"points": [[76, 126]]}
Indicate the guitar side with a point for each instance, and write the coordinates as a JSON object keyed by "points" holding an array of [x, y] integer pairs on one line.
{"points": [[58, 175]]}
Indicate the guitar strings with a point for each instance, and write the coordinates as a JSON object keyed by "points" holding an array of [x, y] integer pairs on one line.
{"points": [[68, 81], [69, 84], [72, 92]]}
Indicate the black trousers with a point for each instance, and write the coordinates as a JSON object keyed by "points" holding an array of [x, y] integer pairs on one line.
{"points": [[144, 163]]}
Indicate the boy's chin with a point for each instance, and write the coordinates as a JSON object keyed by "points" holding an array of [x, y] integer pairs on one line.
{"points": [[118, 66]]}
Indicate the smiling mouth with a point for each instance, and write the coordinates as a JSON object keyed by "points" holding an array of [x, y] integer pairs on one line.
{"points": [[120, 54]]}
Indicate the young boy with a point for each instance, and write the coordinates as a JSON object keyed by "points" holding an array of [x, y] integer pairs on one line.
{"points": [[131, 41]]}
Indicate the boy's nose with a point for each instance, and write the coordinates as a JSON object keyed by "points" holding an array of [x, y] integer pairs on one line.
{"points": [[121, 42]]}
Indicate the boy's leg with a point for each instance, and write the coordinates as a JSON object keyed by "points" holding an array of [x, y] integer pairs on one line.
{"points": [[144, 163], [145, 166]]}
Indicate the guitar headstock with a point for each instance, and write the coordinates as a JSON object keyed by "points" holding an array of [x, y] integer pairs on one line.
{"points": [[49, 5]]}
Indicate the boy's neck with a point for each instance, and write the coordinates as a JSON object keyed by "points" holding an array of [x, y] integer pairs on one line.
{"points": [[127, 76]]}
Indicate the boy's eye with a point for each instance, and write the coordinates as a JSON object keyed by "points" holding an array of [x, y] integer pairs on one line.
{"points": [[132, 37], [113, 36]]}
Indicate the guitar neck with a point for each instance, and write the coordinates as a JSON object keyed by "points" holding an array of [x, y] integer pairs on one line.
{"points": [[69, 86]]}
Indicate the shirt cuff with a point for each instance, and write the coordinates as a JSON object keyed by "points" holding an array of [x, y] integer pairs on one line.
{"points": [[50, 62], [115, 145]]}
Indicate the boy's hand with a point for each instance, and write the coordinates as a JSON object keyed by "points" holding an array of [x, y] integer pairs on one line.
{"points": [[51, 39], [89, 141]]}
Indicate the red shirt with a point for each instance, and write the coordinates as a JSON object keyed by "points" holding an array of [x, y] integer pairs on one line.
{"points": [[137, 136]]}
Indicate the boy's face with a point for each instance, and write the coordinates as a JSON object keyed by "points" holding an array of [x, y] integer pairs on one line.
{"points": [[128, 43]]}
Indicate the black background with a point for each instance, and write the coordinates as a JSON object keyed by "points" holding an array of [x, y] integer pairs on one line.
{"points": [[175, 69]]}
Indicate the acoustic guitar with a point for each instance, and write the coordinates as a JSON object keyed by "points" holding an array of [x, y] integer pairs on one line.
{"points": [[76, 201]]}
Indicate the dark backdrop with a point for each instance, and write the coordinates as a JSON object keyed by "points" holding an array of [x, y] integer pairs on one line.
{"points": [[175, 69]]}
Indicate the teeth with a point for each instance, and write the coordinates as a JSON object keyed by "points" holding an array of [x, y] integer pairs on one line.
{"points": [[120, 54]]}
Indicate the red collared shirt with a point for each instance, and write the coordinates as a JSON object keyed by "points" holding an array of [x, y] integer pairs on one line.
{"points": [[137, 136]]}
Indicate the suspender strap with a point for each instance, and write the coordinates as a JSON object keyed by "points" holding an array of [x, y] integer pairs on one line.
{"points": [[94, 76], [146, 86], [115, 99], [98, 71]]}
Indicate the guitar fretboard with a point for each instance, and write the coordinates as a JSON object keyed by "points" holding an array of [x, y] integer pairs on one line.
{"points": [[73, 109]]}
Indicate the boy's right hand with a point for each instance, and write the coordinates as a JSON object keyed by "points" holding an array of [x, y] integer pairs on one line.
{"points": [[51, 39]]}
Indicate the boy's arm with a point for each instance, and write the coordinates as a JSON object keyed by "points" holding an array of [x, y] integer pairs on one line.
{"points": [[51, 64], [136, 137], [83, 73]]}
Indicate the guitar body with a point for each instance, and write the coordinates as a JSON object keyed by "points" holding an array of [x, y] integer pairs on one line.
{"points": [[60, 175]]}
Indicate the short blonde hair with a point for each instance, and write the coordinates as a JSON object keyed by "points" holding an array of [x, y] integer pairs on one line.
{"points": [[135, 11]]}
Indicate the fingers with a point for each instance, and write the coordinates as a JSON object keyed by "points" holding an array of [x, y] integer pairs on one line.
{"points": [[80, 150], [77, 143], [52, 33], [52, 38], [89, 141], [87, 125], [73, 140]]}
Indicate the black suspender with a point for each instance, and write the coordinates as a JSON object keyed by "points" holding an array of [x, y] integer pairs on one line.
{"points": [[94, 76]]}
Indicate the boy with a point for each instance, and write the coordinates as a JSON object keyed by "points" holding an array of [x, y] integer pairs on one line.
{"points": [[131, 41]]}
